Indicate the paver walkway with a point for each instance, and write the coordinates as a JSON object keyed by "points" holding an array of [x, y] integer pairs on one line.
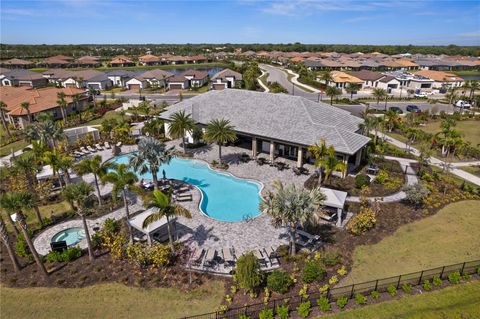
{"points": [[261, 82], [294, 80]]}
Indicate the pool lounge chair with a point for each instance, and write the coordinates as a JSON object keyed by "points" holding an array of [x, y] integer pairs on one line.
{"points": [[119, 144], [210, 257], [78, 154], [183, 198], [228, 257], [107, 145], [272, 256], [197, 257], [84, 150], [91, 149], [99, 147], [305, 239]]}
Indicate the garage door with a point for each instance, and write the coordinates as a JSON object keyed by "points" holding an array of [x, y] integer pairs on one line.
{"points": [[175, 86], [134, 86], [71, 85], [219, 86]]}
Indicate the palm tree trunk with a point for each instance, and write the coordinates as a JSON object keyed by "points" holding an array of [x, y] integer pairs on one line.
{"points": [[10, 220], [184, 144], [220, 152], [320, 177], [38, 261], [68, 179], [170, 238], [60, 181], [29, 117], [11, 254], [293, 248], [5, 125], [155, 178], [91, 256], [127, 213], [98, 190], [32, 190]]}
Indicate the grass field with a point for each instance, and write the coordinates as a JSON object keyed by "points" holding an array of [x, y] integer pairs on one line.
{"points": [[109, 115], [108, 301], [475, 170], [15, 146], [462, 302], [449, 237], [470, 129]]}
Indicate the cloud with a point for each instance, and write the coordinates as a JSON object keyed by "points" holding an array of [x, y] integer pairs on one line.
{"points": [[359, 19]]}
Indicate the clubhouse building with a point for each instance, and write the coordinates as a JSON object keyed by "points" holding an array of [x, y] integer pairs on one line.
{"points": [[277, 124]]}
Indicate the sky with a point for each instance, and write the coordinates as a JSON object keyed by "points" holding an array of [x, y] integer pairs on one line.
{"points": [[421, 22]]}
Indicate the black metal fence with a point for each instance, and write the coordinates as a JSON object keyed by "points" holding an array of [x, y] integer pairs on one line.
{"points": [[349, 291]]}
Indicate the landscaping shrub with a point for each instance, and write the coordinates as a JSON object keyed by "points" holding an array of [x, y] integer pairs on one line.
{"points": [[342, 271], [279, 281], [21, 248], [303, 292], [392, 290], [111, 226], [342, 302], [437, 281], [362, 180], [416, 193], [266, 314], [393, 183], [407, 288], [381, 177], [248, 274], [454, 277], [333, 280], [244, 317], [283, 250], [324, 304], [360, 299], [304, 309], [427, 285], [375, 294], [363, 221], [331, 257], [312, 271], [323, 289], [282, 311], [156, 256], [466, 277]]}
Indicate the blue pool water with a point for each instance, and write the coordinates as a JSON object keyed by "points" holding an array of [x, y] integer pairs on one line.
{"points": [[71, 235], [225, 197]]}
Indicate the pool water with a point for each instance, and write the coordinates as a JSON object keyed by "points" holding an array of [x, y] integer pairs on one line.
{"points": [[71, 235], [225, 197]]}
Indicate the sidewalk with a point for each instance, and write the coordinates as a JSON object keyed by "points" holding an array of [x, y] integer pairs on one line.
{"points": [[261, 83], [294, 80]]}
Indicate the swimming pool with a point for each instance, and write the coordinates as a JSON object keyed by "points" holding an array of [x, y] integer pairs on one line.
{"points": [[224, 197], [71, 235]]}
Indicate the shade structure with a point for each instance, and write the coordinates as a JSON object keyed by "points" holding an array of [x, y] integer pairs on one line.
{"points": [[334, 198], [137, 222]]}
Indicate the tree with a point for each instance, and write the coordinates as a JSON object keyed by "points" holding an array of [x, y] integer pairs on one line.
{"points": [[3, 111], [94, 166], [154, 127], [353, 87], [150, 156], [474, 85], [248, 273], [59, 163], [26, 106], [326, 77], [379, 94], [163, 203], [63, 104], [76, 101], [333, 164], [45, 130], [290, 206], [93, 92], [220, 132], [319, 151], [180, 123], [332, 92], [122, 180], [10, 208], [416, 193], [21, 201], [392, 119], [6, 241]]}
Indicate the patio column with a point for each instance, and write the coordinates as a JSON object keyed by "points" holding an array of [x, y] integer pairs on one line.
{"points": [[339, 217], [254, 147], [358, 158], [149, 239], [272, 151], [345, 161], [300, 157]]}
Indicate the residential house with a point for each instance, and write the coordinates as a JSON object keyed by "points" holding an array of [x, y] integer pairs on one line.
{"points": [[370, 78], [77, 78], [40, 100], [20, 77], [178, 82], [137, 82], [119, 78], [121, 61], [149, 59], [410, 80], [58, 61], [17, 64], [279, 125], [226, 79], [442, 79], [57, 76], [157, 78], [389, 83], [197, 59], [88, 62], [342, 80], [196, 78], [99, 82]]}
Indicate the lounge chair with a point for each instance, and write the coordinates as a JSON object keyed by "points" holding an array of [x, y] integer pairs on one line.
{"points": [[99, 147], [107, 145], [183, 198], [272, 256], [91, 149], [84, 150], [210, 256], [228, 257], [78, 154], [197, 257], [119, 144], [305, 239]]}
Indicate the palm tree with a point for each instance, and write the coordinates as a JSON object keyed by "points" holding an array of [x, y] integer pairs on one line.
{"points": [[6, 241], [332, 92], [46, 130], [6, 203], [122, 179], [26, 106], [76, 100], [63, 104], [92, 91], [326, 77], [21, 201], [379, 94], [180, 123], [27, 166], [353, 87], [83, 192], [319, 151], [220, 132], [69, 194], [166, 209], [3, 111], [474, 85], [392, 119], [290, 206], [333, 164], [150, 156], [56, 161], [94, 166]]}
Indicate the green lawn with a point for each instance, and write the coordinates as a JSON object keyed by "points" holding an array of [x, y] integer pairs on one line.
{"points": [[462, 302], [15, 146], [108, 301], [475, 170], [109, 115], [470, 129], [448, 237]]}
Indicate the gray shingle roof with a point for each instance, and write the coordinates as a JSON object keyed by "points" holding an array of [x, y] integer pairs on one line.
{"points": [[277, 116], [227, 73]]}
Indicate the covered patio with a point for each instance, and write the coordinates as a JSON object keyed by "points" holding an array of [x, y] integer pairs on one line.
{"points": [[334, 203], [157, 230]]}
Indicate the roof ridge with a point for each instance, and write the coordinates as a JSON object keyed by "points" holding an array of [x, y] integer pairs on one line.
{"points": [[343, 140]]}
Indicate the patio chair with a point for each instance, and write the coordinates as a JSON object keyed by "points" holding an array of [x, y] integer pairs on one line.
{"points": [[91, 149], [77, 154], [184, 198], [197, 257], [84, 150], [210, 257], [119, 144], [107, 145], [228, 257], [99, 147], [260, 257], [272, 256], [297, 171]]}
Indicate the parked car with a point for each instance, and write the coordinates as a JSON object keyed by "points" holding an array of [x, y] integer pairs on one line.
{"points": [[396, 109], [463, 104], [413, 109], [421, 94]]}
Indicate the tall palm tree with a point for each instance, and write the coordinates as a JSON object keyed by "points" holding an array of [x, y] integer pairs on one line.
{"points": [[180, 123], [26, 106], [63, 104], [392, 119], [27, 166], [166, 208], [22, 201], [319, 151], [6, 241], [93, 92], [52, 158], [326, 77], [474, 85], [76, 99], [333, 164], [69, 194], [220, 132], [150, 156], [10, 208], [379, 94], [3, 111], [45, 130], [290, 206], [122, 179], [353, 87], [94, 166], [332, 92]]}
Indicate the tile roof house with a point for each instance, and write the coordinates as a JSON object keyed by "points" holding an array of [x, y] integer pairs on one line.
{"points": [[78, 78], [341, 80], [57, 61], [442, 79], [178, 82], [196, 78], [57, 76], [121, 61], [120, 77], [20, 77], [197, 59], [369, 78], [88, 61], [17, 64], [149, 59], [226, 79], [40, 100], [156, 78], [278, 124]]}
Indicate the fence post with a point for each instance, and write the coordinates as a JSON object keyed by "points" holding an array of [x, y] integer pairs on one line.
{"points": [[441, 274], [463, 267], [351, 293], [376, 285], [398, 283], [274, 306], [420, 279]]}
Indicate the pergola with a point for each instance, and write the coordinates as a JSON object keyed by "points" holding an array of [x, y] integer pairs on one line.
{"points": [[157, 226], [335, 199]]}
